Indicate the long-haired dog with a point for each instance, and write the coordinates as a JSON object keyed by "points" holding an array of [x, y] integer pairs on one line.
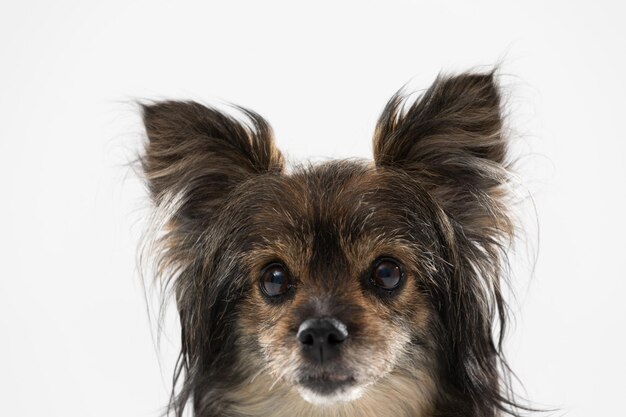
{"points": [[341, 289]]}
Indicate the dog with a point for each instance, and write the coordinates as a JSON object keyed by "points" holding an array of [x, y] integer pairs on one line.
{"points": [[344, 288]]}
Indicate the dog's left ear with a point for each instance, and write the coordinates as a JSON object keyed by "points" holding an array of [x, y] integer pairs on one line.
{"points": [[451, 139]]}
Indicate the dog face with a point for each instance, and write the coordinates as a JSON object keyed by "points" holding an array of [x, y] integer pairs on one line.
{"points": [[337, 271], [349, 287]]}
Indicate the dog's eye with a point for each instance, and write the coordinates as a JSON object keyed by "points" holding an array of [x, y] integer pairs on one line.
{"points": [[387, 274], [275, 280]]}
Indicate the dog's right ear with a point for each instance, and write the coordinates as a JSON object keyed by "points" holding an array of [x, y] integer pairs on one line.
{"points": [[195, 155]]}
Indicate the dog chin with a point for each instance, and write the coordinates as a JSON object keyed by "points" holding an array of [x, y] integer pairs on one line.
{"points": [[344, 395]]}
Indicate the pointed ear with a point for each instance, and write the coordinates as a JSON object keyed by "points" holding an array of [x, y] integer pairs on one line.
{"points": [[451, 140], [197, 155], [456, 116]]}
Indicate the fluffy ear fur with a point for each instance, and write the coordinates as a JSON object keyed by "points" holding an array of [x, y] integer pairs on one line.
{"points": [[196, 154], [450, 141], [452, 137]]}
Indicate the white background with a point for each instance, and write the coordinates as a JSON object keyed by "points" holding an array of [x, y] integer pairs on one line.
{"points": [[75, 338]]}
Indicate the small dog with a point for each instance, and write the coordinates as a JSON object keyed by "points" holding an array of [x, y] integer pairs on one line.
{"points": [[342, 289]]}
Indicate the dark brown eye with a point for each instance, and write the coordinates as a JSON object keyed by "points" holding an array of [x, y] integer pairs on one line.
{"points": [[275, 280], [387, 274]]}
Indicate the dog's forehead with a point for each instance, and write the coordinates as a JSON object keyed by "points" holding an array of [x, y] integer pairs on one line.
{"points": [[340, 199], [334, 198], [330, 215]]}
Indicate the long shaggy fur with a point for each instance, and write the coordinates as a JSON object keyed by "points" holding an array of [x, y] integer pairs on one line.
{"points": [[435, 196]]}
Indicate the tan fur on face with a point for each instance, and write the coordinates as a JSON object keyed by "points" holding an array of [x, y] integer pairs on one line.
{"points": [[381, 357], [406, 392]]}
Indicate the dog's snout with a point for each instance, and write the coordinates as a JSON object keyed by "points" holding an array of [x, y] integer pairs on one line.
{"points": [[320, 338]]}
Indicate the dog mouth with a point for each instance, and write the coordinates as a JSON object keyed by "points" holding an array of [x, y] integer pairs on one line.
{"points": [[327, 383]]}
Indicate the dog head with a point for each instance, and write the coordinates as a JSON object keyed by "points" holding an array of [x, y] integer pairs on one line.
{"points": [[346, 283]]}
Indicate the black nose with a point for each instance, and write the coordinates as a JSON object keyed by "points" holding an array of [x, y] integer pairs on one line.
{"points": [[320, 338]]}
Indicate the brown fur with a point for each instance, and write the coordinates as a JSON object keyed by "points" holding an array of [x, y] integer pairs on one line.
{"points": [[434, 199]]}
